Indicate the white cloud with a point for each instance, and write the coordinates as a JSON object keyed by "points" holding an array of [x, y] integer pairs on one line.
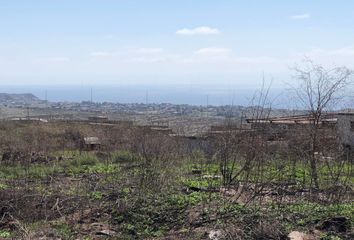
{"points": [[257, 60], [149, 50], [300, 16], [334, 54], [345, 52], [59, 59], [52, 60], [216, 55], [131, 51], [101, 54], [213, 51], [328, 57], [157, 59], [204, 30]]}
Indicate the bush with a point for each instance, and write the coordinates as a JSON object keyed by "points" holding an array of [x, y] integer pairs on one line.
{"points": [[84, 160], [123, 156]]}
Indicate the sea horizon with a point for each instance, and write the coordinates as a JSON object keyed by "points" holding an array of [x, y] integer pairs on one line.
{"points": [[132, 93]]}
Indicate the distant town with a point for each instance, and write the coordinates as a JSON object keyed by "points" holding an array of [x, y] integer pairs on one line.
{"points": [[199, 118]]}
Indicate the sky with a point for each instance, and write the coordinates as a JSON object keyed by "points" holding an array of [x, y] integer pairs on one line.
{"points": [[162, 42]]}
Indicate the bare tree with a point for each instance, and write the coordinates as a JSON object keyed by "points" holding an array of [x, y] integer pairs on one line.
{"points": [[242, 152], [319, 90]]}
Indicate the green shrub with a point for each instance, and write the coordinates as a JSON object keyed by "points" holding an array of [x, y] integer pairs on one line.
{"points": [[123, 156], [84, 160], [5, 234], [96, 195], [64, 231]]}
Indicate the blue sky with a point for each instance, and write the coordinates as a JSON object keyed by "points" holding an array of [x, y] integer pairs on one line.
{"points": [[227, 42]]}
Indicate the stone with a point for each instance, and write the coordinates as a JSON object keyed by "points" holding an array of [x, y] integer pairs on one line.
{"points": [[106, 232], [215, 235], [295, 235]]}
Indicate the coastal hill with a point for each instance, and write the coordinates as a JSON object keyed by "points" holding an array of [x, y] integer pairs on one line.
{"points": [[18, 98]]}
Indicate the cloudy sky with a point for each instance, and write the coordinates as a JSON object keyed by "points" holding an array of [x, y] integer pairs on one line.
{"points": [[169, 42]]}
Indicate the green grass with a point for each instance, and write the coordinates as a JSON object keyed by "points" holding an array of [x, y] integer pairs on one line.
{"points": [[123, 157], [34, 171], [85, 163], [306, 214], [5, 234], [3, 186], [279, 171], [95, 195], [201, 183], [64, 231], [154, 212], [183, 200]]}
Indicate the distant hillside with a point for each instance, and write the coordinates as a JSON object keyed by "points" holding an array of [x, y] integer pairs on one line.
{"points": [[18, 98]]}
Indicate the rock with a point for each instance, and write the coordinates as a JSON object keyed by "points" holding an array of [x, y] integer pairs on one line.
{"points": [[211, 177], [295, 235], [106, 232], [215, 235], [97, 225], [228, 191], [194, 217]]}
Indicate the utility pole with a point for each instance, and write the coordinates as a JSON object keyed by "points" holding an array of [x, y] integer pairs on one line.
{"points": [[232, 105], [46, 99], [146, 106], [207, 105], [147, 97]]}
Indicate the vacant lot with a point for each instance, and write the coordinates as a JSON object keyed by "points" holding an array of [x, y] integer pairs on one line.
{"points": [[145, 185]]}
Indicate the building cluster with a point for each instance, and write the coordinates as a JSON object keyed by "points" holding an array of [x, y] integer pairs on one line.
{"points": [[338, 126]]}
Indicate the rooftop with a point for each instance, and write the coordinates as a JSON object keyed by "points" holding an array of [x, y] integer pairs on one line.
{"points": [[300, 119], [92, 140]]}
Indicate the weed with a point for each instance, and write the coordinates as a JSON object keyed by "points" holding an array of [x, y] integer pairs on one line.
{"points": [[329, 237], [96, 195], [5, 234], [304, 215], [84, 160], [123, 157], [64, 231], [3, 186]]}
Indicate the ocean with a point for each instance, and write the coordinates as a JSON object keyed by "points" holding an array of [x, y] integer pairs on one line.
{"points": [[175, 94]]}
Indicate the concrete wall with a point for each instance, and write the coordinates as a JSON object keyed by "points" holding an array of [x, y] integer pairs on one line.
{"points": [[344, 130]]}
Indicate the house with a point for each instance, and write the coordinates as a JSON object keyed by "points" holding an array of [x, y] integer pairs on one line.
{"points": [[92, 143], [337, 125], [98, 119], [159, 126]]}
